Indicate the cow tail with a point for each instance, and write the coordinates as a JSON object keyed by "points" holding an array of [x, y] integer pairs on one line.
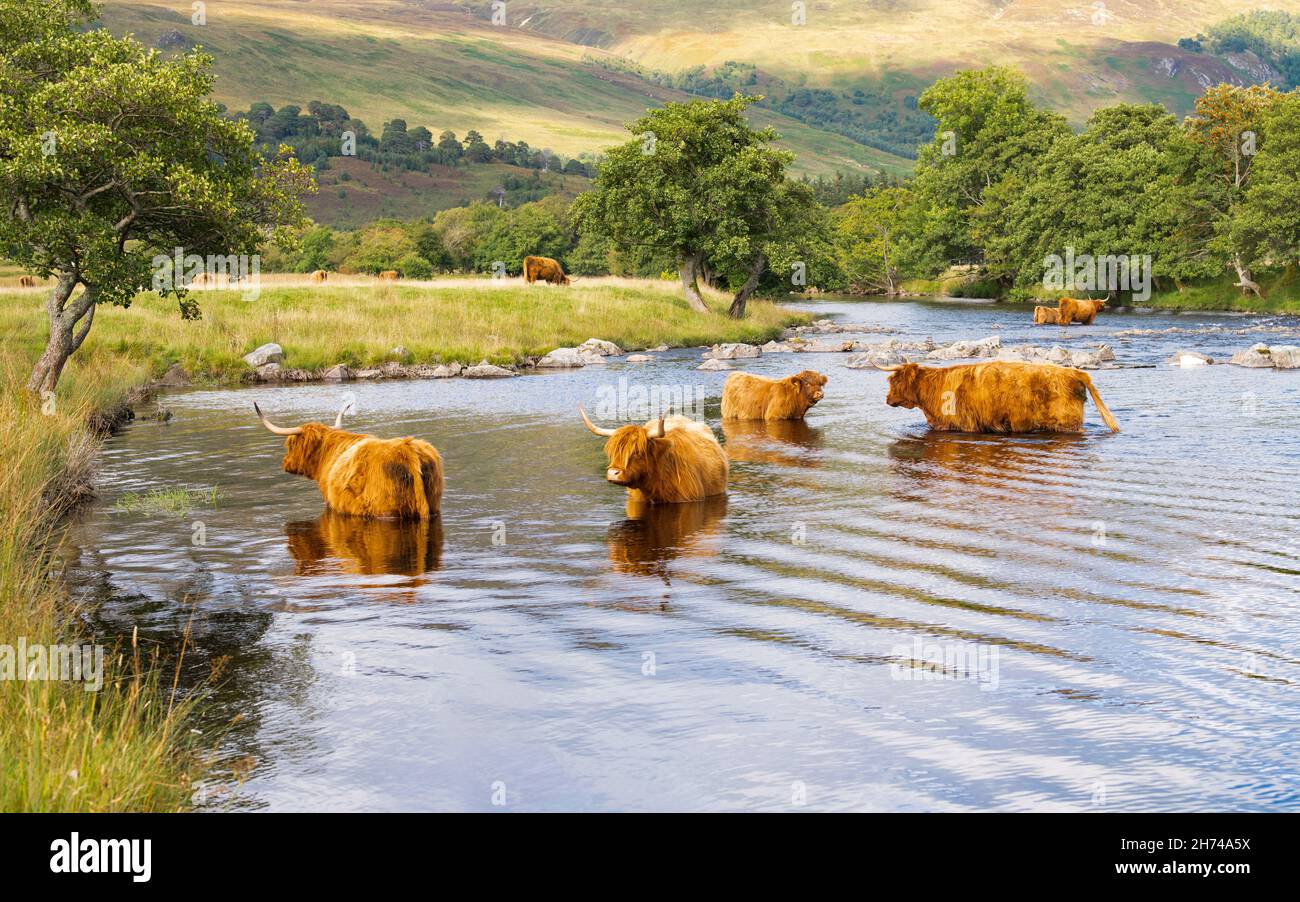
{"points": [[1101, 405]]}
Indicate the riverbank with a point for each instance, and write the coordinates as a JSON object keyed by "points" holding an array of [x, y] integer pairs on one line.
{"points": [[368, 323], [124, 746]]}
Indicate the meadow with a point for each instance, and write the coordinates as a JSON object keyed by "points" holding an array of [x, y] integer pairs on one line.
{"points": [[359, 321]]}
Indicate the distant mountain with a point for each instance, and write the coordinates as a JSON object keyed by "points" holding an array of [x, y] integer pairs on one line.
{"points": [[565, 75]]}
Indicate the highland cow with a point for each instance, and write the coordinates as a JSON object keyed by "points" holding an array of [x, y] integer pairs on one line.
{"points": [[1046, 316], [1081, 311], [546, 269], [670, 459], [398, 478], [1001, 396], [749, 397]]}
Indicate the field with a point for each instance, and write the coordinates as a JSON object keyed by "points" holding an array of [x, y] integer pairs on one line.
{"points": [[358, 320]]}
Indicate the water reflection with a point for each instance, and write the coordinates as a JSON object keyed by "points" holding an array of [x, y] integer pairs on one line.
{"points": [[988, 459], [655, 535], [337, 543], [783, 443]]}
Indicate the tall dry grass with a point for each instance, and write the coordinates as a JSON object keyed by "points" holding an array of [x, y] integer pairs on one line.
{"points": [[62, 748]]}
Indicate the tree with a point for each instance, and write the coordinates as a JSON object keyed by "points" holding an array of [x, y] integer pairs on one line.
{"points": [[1229, 126], [987, 131], [696, 182], [872, 238], [1267, 227], [109, 154]]}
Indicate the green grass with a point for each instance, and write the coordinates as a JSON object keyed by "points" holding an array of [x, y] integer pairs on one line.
{"points": [[174, 501], [1281, 295], [359, 324], [125, 747]]}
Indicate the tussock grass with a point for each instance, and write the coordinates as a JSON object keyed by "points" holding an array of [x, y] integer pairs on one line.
{"points": [[358, 320], [174, 501], [62, 748]]}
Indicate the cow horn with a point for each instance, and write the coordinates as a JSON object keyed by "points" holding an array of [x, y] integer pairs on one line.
{"points": [[592, 426], [658, 431], [338, 420], [271, 427], [889, 369]]}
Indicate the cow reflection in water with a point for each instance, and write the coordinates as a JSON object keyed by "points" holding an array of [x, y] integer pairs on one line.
{"points": [[655, 535], [337, 543], [783, 443]]}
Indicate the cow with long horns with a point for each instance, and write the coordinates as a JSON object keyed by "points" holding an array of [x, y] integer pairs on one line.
{"points": [[358, 474], [1000, 396], [669, 459]]}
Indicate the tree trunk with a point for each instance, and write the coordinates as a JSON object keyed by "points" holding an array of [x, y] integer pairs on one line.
{"points": [[1244, 280], [688, 270], [756, 269], [70, 322]]}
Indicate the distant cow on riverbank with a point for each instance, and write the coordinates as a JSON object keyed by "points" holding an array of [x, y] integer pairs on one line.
{"points": [[749, 397], [1046, 316], [546, 269], [1001, 396], [319, 275], [388, 275], [667, 460], [396, 478], [1076, 310]]}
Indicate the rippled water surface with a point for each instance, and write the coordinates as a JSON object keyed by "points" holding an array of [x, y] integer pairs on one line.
{"points": [[875, 617]]}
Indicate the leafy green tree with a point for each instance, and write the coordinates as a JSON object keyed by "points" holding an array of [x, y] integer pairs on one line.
{"points": [[1267, 227], [987, 132], [111, 154], [317, 245], [1229, 126], [463, 228], [428, 244], [380, 247], [529, 229], [873, 238], [698, 183]]}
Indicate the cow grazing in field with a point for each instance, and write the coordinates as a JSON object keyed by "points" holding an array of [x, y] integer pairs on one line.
{"points": [[388, 275], [398, 478], [1081, 311], [546, 269], [749, 397], [1001, 396], [667, 460], [1046, 316], [319, 275], [26, 281]]}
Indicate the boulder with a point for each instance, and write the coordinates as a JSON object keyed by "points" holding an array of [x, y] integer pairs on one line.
{"points": [[1190, 358], [639, 358], [961, 350], [600, 348], [714, 364], [485, 370], [339, 372], [822, 347], [268, 372], [732, 352], [447, 370], [1285, 357], [175, 377], [776, 347], [658, 350], [1258, 356], [267, 353], [371, 373], [568, 359], [873, 358]]}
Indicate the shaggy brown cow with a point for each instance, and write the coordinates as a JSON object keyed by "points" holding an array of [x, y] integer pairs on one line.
{"points": [[546, 269], [1002, 396], [319, 275], [1081, 311], [667, 460], [358, 474], [26, 282], [388, 275], [749, 397], [1046, 316]]}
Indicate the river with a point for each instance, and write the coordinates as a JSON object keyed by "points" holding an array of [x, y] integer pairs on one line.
{"points": [[875, 618]]}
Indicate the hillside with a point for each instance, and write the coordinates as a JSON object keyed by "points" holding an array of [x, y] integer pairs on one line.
{"points": [[567, 74]]}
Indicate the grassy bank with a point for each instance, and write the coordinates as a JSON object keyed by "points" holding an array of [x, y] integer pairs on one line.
{"points": [[1281, 295], [63, 748], [359, 321]]}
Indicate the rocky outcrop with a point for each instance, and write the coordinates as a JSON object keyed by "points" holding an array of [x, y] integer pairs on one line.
{"points": [[1084, 359], [569, 359], [962, 350], [339, 372], [732, 352], [1282, 357], [175, 377], [714, 364], [831, 327], [485, 370], [601, 348], [639, 358], [267, 353]]}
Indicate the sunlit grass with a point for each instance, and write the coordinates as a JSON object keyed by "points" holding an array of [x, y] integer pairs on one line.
{"points": [[358, 321], [174, 501], [62, 748]]}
